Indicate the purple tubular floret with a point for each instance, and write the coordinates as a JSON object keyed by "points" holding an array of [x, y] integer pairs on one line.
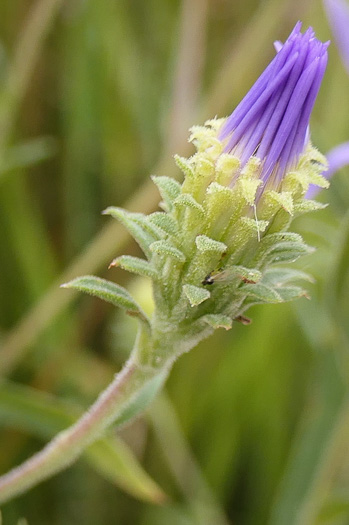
{"points": [[272, 121]]}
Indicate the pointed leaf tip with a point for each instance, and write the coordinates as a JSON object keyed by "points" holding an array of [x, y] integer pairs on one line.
{"points": [[169, 190], [134, 265], [165, 249], [218, 321], [138, 226], [195, 295], [206, 244]]}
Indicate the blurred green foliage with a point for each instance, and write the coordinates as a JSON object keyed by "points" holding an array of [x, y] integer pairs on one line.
{"points": [[254, 425]]}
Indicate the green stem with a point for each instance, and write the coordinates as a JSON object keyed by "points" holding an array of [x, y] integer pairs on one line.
{"points": [[129, 392]]}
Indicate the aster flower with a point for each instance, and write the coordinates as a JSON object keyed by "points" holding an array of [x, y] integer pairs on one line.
{"points": [[271, 122], [209, 253], [216, 247]]}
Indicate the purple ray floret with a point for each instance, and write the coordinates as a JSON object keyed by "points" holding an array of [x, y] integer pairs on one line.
{"points": [[271, 122], [338, 16]]}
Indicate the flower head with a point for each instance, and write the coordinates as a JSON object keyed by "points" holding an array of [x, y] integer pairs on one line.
{"points": [[271, 122], [215, 249]]}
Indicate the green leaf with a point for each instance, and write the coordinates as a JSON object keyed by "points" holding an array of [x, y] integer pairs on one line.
{"points": [[280, 247], [44, 416], [283, 199], [218, 321], [166, 249], [185, 200], [290, 293], [184, 165], [135, 265], [314, 177], [260, 291], [148, 226], [195, 295], [206, 244], [108, 291], [288, 252], [137, 225], [250, 226], [169, 190], [248, 188], [318, 454], [272, 239], [307, 205], [279, 276], [165, 222]]}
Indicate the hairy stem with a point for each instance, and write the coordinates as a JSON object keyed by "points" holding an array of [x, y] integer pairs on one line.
{"points": [[132, 388]]}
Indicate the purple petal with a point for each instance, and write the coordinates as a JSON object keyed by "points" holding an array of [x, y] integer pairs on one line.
{"points": [[338, 16], [272, 120], [278, 45]]}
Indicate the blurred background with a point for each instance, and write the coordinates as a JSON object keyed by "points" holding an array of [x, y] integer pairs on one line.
{"points": [[253, 426]]}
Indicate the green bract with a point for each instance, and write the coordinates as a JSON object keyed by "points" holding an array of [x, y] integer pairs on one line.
{"points": [[219, 246]]}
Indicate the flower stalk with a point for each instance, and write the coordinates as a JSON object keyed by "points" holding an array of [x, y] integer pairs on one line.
{"points": [[129, 392]]}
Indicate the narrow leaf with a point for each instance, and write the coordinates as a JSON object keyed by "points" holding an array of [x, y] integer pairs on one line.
{"points": [[274, 245], [307, 205], [184, 165], [169, 190], [260, 291], [206, 244], [279, 276], [290, 293], [284, 199], [248, 188], [165, 249], [136, 227], [108, 291], [288, 252], [165, 222], [134, 265], [185, 200], [272, 239]]}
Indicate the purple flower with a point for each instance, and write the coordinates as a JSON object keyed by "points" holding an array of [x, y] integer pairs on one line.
{"points": [[338, 15], [272, 121]]}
